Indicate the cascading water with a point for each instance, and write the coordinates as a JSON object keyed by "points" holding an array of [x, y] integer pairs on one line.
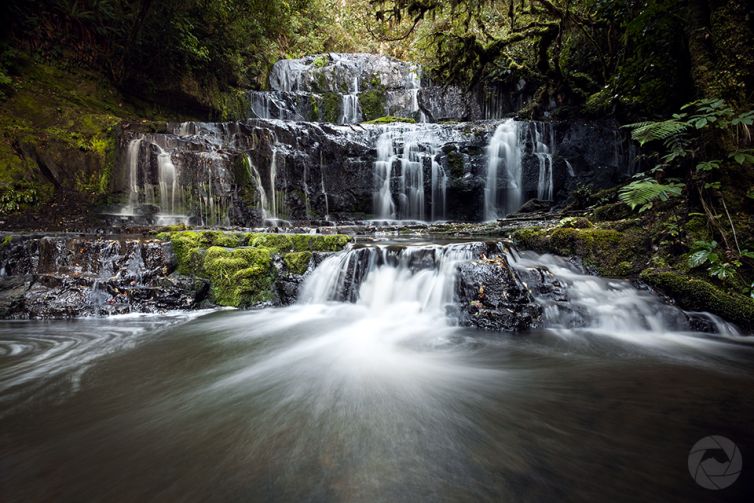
{"points": [[439, 188], [502, 193], [168, 181], [132, 160], [383, 168], [543, 140], [416, 149], [351, 109], [417, 278]]}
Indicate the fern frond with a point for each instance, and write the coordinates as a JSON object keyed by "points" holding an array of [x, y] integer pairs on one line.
{"points": [[642, 193], [645, 132]]}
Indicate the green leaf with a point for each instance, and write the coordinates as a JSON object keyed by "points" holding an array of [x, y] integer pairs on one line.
{"points": [[747, 253], [641, 193], [708, 165], [698, 258], [712, 185]]}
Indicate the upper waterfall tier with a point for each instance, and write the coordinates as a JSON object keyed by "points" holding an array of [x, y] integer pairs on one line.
{"points": [[340, 88], [335, 73]]}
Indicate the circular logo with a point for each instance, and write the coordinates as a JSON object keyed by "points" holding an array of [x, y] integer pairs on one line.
{"points": [[715, 462]]}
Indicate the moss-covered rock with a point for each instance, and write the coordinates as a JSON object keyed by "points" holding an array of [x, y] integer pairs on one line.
{"points": [[239, 265], [299, 242], [695, 294], [372, 104], [609, 252], [297, 262], [388, 119], [239, 276]]}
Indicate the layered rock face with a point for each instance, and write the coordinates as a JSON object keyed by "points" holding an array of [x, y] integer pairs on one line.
{"points": [[64, 277], [243, 173], [72, 276], [339, 88]]}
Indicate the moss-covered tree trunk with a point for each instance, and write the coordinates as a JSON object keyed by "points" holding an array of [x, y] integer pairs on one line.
{"points": [[720, 34]]}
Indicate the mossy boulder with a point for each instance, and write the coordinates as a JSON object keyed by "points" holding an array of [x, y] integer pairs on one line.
{"points": [[694, 294], [297, 262], [239, 276], [240, 265], [607, 251]]}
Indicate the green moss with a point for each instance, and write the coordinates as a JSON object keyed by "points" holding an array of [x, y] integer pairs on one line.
{"points": [[297, 262], [321, 61], [388, 119], [239, 276], [372, 104], [575, 223], [299, 242], [239, 265], [609, 212], [330, 110], [697, 229], [609, 252], [694, 294], [7, 240], [455, 163]]}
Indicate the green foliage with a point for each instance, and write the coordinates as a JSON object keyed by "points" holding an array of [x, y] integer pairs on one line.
{"points": [[643, 193], [388, 119], [719, 266], [13, 200], [645, 132]]}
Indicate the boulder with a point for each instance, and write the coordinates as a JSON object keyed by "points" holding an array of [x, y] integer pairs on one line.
{"points": [[491, 296]]}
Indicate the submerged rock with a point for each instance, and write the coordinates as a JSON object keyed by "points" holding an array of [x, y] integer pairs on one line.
{"points": [[491, 296]]}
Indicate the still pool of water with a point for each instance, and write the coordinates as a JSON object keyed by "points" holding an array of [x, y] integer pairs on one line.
{"points": [[341, 402]]}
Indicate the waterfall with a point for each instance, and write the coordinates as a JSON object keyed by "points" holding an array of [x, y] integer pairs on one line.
{"points": [[382, 277], [415, 88], [503, 188], [324, 190], [422, 279], [273, 176], [573, 300], [411, 181], [132, 160], [259, 186], [383, 167], [168, 182], [543, 138], [439, 189], [571, 173], [416, 149], [351, 109]]}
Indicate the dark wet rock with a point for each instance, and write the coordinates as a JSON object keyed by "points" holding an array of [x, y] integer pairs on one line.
{"points": [[443, 103], [72, 276], [535, 206], [491, 296], [226, 171]]}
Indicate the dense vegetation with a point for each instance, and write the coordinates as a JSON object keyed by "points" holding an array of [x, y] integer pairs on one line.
{"points": [[635, 58]]}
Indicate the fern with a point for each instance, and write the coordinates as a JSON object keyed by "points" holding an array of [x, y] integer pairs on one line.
{"points": [[645, 132], [643, 193]]}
